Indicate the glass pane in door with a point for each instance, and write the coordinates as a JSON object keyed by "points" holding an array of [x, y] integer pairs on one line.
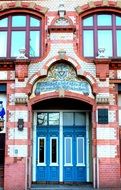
{"points": [[41, 147], [68, 151], [54, 150]]}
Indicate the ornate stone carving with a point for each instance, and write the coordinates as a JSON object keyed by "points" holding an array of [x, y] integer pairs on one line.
{"points": [[102, 98], [62, 22], [21, 98]]}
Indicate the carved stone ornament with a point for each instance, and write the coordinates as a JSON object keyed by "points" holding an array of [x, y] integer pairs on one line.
{"points": [[62, 22], [21, 98], [102, 98]]}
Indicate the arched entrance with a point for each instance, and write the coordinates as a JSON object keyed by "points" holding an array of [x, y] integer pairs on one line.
{"points": [[62, 141]]}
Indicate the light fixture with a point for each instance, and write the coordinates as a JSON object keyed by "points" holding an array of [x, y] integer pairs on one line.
{"points": [[20, 124], [61, 11]]}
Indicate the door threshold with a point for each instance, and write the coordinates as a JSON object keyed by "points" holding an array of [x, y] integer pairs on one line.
{"points": [[77, 186]]}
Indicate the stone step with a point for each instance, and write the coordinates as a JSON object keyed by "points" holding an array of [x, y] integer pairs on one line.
{"points": [[61, 187]]}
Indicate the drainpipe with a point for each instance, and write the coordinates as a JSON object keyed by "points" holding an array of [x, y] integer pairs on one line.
{"points": [[94, 171], [98, 173], [26, 173]]}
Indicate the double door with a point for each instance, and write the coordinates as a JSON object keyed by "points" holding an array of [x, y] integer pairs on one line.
{"points": [[61, 147]]}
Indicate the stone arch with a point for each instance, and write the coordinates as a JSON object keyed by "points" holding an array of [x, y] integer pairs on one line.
{"points": [[94, 5], [59, 94], [9, 6]]}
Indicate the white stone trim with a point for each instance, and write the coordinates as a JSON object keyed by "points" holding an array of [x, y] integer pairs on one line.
{"points": [[14, 133], [106, 133], [106, 151]]}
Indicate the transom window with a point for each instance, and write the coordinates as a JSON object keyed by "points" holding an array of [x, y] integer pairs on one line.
{"points": [[20, 32], [102, 31]]}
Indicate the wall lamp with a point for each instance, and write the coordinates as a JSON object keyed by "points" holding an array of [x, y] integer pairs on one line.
{"points": [[61, 11], [20, 124]]}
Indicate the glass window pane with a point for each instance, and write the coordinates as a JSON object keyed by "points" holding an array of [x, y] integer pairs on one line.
{"points": [[104, 20], [118, 21], [18, 42], [54, 118], [4, 22], [18, 21], [105, 41], [34, 22], [34, 43], [68, 119], [41, 150], [42, 119], [88, 43], [118, 32], [3, 44], [80, 119], [68, 150], [54, 150], [80, 150], [88, 21]]}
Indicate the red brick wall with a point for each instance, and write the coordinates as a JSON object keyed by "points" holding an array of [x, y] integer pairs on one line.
{"points": [[109, 173], [14, 176]]}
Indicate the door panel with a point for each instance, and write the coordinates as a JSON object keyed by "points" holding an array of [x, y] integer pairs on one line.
{"points": [[76, 171], [47, 135]]}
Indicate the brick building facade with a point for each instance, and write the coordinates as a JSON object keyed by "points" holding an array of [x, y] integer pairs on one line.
{"points": [[60, 85]]}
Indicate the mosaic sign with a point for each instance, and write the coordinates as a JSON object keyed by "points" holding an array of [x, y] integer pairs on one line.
{"points": [[62, 76]]}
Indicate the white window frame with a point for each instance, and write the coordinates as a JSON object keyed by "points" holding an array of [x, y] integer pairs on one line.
{"points": [[44, 163], [67, 164], [51, 163], [83, 163]]}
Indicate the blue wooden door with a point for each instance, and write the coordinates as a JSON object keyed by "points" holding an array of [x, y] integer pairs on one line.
{"points": [[72, 142], [47, 147], [74, 138]]}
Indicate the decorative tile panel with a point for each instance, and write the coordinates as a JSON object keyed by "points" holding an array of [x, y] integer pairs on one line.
{"points": [[3, 75], [106, 133], [61, 36], [106, 151], [17, 150], [112, 116], [18, 114], [62, 76], [118, 74], [14, 133], [119, 116]]}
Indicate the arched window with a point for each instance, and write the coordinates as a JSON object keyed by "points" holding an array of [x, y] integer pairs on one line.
{"points": [[20, 32], [102, 31]]}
